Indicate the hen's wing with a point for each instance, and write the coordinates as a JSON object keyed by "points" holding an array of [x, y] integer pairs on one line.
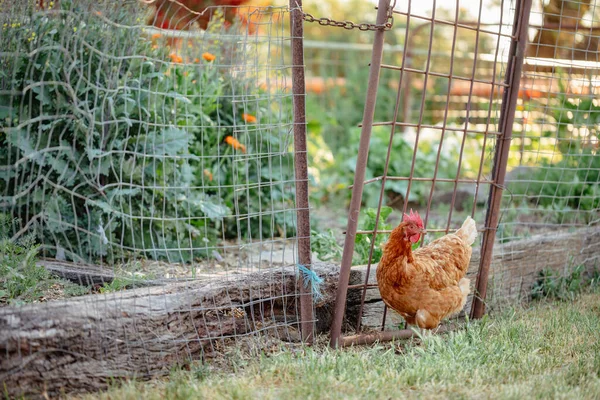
{"points": [[444, 262]]}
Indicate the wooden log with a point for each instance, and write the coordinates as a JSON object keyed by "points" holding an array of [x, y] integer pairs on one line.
{"points": [[93, 275], [516, 265], [81, 274], [80, 344]]}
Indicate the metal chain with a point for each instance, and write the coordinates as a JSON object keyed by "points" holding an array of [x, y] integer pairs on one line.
{"points": [[351, 25]]}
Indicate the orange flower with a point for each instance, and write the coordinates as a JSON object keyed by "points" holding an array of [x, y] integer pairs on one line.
{"points": [[156, 36], [175, 58], [196, 60], [233, 142], [208, 56], [248, 118], [208, 174]]}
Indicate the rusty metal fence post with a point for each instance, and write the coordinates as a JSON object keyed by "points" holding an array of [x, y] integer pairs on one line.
{"points": [[507, 116], [359, 177], [301, 166]]}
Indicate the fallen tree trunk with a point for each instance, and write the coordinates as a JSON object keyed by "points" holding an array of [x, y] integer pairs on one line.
{"points": [[81, 274], [516, 265], [80, 344]]}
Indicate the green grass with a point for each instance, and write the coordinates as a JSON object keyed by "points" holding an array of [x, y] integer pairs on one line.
{"points": [[551, 350], [21, 279]]}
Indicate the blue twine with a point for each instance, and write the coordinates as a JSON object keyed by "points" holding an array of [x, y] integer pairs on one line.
{"points": [[311, 278]]}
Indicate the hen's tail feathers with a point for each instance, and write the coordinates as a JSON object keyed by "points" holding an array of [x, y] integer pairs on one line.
{"points": [[468, 231]]}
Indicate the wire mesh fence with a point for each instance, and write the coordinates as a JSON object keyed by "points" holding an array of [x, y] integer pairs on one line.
{"points": [[334, 76], [555, 165], [336, 85], [424, 152], [551, 182], [553, 179], [147, 146], [164, 150]]}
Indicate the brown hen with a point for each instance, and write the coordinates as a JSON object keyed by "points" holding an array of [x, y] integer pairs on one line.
{"points": [[428, 284]]}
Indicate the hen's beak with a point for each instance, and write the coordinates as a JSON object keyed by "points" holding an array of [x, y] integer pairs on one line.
{"points": [[423, 231]]}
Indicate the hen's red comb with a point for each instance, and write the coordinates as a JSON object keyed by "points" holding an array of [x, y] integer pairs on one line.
{"points": [[414, 217]]}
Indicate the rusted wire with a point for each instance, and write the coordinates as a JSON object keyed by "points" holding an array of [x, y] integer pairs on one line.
{"points": [[347, 255], [301, 167]]}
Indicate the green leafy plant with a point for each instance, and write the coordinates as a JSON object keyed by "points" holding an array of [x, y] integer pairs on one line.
{"points": [[572, 115], [118, 284], [568, 184], [337, 176], [325, 245], [363, 241], [248, 167], [128, 276], [573, 183], [21, 279]]}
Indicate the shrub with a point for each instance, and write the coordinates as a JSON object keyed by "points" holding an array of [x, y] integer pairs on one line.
{"points": [[324, 243], [367, 221]]}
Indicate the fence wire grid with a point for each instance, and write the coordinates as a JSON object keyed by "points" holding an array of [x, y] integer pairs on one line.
{"points": [[553, 178], [434, 133], [186, 139]]}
